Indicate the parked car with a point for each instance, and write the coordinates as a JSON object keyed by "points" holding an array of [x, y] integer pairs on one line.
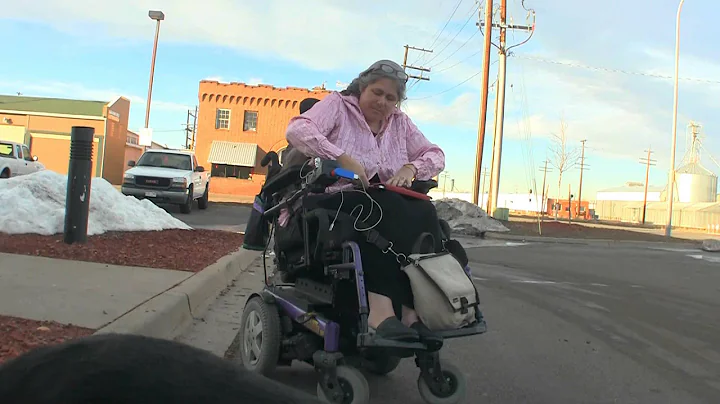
{"points": [[168, 177], [15, 159]]}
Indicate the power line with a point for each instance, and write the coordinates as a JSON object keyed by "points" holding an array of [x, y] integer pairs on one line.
{"points": [[443, 28], [462, 61], [451, 88], [612, 70], [470, 17], [456, 50], [568, 64]]}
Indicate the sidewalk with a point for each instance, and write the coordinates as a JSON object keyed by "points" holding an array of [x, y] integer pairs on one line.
{"points": [[110, 298]]}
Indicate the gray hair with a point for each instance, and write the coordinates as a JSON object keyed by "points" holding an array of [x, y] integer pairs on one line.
{"points": [[370, 76]]}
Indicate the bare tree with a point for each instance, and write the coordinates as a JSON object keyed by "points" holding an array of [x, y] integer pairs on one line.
{"points": [[562, 157]]}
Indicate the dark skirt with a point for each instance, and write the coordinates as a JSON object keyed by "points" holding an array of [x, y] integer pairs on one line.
{"points": [[402, 222]]}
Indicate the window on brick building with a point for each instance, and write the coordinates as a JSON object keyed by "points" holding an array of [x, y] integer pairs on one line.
{"points": [[250, 121], [222, 119], [228, 171]]}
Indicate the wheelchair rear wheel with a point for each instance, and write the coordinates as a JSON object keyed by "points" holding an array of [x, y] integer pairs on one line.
{"points": [[259, 336]]}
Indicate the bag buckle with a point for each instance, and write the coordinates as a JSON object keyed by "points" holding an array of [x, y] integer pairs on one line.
{"points": [[464, 305], [399, 257]]}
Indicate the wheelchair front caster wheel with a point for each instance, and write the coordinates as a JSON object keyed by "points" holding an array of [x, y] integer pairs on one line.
{"points": [[353, 389], [455, 387]]}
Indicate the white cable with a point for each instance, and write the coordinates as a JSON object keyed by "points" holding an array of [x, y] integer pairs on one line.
{"points": [[342, 200], [372, 201], [359, 214]]}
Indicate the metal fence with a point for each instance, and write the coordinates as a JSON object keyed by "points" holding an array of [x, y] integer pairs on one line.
{"points": [[687, 215]]}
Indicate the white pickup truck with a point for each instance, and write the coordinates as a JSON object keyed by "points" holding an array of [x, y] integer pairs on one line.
{"points": [[15, 159], [168, 177]]}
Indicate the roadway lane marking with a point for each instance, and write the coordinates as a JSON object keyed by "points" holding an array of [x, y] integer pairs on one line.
{"points": [[704, 257]]}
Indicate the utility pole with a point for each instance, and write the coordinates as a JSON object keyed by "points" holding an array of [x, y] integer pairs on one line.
{"points": [[648, 162], [194, 133], [418, 68], [445, 178], [484, 90], [582, 169], [545, 170], [157, 16], [673, 148], [569, 204], [500, 111], [190, 130], [484, 180]]}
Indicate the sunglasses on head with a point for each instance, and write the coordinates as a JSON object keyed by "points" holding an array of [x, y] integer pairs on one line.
{"points": [[387, 68]]}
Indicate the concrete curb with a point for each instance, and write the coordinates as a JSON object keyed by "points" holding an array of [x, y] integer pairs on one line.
{"points": [[169, 313]]}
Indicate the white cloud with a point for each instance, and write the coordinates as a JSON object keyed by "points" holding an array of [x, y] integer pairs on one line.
{"points": [[458, 113], [253, 81], [295, 30]]}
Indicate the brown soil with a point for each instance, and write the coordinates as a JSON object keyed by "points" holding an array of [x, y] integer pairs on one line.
{"points": [[579, 231], [185, 250], [19, 335]]}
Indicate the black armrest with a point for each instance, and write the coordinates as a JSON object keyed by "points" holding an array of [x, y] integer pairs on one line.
{"points": [[287, 177], [423, 187]]}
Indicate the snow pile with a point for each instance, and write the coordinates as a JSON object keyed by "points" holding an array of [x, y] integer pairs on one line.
{"points": [[711, 245], [35, 203], [466, 218]]}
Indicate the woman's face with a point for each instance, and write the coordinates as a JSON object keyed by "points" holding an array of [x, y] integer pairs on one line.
{"points": [[378, 99]]}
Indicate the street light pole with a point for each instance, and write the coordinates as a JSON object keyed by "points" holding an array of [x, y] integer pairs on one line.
{"points": [[671, 176], [157, 16]]}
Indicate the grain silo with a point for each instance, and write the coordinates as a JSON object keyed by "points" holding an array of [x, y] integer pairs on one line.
{"points": [[696, 183]]}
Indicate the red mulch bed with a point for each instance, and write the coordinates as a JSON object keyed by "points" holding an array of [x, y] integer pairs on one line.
{"points": [[184, 250], [19, 335]]}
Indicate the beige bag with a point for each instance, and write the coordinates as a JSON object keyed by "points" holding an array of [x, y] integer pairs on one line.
{"points": [[445, 296]]}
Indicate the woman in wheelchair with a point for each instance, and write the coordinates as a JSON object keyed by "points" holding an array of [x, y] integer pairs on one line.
{"points": [[364, 130]]}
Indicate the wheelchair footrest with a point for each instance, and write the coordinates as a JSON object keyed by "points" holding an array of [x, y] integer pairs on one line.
{"points": [[476, 328], [373, 341]]}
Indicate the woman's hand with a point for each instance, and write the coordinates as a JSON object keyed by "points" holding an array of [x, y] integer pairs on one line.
{"points": [[353, 165], [404, 177]]}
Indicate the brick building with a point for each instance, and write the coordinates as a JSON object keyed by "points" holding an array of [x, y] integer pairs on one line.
{"points": [[579, 211], [238, 125], [44, 125]]}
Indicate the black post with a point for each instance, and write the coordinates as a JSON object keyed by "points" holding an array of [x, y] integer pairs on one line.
{"points": [[77, 198]]}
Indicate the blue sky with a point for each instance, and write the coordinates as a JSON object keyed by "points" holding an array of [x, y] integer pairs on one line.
{"points": [[96, 49]]}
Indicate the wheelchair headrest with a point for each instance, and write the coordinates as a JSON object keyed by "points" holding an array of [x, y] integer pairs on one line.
{"points": [[270, 157]]}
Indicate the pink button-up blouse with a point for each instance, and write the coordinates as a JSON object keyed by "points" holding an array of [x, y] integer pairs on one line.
{"points": [[336, 126]]}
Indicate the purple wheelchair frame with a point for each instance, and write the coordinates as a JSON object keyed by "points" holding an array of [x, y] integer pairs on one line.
{"points": [[330, 331]]}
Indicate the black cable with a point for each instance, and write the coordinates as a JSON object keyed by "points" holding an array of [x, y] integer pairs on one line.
{"points": [[442, 30], [472, 14], [456, 50]]}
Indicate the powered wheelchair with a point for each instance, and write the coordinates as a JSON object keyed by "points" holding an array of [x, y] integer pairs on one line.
{"points": [[314, 306]]}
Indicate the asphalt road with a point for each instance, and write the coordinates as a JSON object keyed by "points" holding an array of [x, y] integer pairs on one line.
{"points": [[218, 216], [569, 324]]}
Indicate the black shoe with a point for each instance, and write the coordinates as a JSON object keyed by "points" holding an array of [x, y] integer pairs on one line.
{"points": [[394, 330], [428, 337]]}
